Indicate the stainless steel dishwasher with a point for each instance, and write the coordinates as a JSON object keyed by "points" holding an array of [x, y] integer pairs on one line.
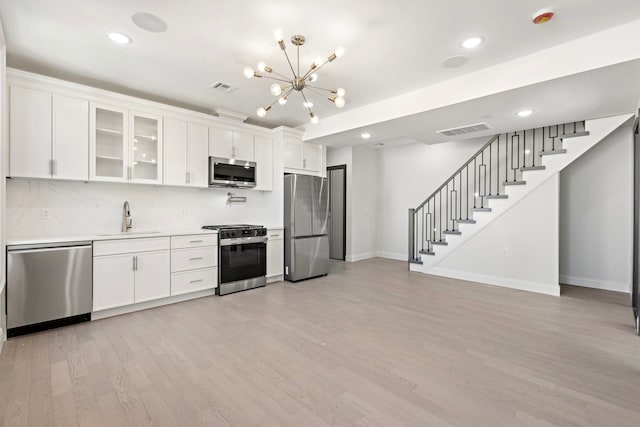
{"points": [[48, 285]]}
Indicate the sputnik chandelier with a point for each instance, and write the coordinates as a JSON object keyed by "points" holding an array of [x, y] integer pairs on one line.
{"points": [[299, 82]]}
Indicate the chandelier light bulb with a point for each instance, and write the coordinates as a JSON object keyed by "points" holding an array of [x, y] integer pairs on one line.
{"points": [[261, 66], [339, 52], [339, 101], [261, 112], [318, 61], [308, 104], [248, 72], [276, 90], [314, 118], [313, 77], [278, 34], [282, 101], [341, 92]]}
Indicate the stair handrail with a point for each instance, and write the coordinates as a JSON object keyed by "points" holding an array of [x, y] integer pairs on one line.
{"points": [[467, 163]]}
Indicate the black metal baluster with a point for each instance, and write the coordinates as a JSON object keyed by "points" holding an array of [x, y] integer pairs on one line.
{"points": [[440, 216], [498, 167], [447, 208], [460, 210], [506, 157], [533, 153], [490, 161], [475, 178], [467, 200]]}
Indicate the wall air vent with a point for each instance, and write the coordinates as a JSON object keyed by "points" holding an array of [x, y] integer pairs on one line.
{"points": [[223, 87], [463, 130]]}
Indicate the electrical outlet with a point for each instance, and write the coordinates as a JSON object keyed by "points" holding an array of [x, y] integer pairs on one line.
{"points": [[183, 213], [505, 252], [45, 213]]}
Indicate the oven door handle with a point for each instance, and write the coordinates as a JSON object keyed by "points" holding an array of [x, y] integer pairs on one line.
{"points": [[243, 240]]}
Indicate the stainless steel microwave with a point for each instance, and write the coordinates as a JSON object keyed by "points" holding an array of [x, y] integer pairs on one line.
{"points": [[231, 173]]}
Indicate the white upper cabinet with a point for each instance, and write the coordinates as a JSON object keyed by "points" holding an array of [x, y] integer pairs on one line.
{"points": [[302, 157], [230, 144], [175, 151], [125, 146], [198, 155], [109, 143], [48, 135], [70, 148], [185, 153], [145, 144], [264, 162]]}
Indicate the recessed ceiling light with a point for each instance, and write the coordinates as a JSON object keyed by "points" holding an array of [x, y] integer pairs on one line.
{"points": [[365, 135], [525, 113], [472, 42], [119, 38]]}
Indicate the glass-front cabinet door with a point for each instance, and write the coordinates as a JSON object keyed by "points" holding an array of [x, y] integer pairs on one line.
{"points": [[146, 148], [109, 153]]}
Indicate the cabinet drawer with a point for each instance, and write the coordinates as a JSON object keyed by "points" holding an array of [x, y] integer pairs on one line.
{"points": [[189, 259], [194, 280], [124, 246], [275, 233], [196, 240]]}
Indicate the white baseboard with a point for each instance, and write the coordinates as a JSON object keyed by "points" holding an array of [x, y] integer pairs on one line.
{"points": [[276, 278], [392, 255], [360, 257], [97, 315], [595, 284], [523, 285]]}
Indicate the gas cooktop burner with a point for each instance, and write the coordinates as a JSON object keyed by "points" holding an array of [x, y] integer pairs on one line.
{"points": [[230, 227]]}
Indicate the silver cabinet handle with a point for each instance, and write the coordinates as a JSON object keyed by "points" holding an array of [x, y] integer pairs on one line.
{"points": [[196, 241], [50, 166], [196, 258], [274, 235], [304, 163], [196, 281], [129, 172], [233, 152], [55, 167], [135, 263], [188, 178]]}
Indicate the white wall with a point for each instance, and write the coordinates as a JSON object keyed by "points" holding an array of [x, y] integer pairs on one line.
{"points": [[364, 198], [596, 215], [337, 157], [529, 234], [407, 175]]}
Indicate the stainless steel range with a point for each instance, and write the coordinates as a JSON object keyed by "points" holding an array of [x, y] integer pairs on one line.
{"points": [[242, 257]]}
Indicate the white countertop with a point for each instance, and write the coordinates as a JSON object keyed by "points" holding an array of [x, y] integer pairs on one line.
{"points": [[135, 234]]}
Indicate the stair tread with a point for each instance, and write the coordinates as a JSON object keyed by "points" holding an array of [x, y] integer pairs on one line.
{"points": [[465, 221], [514, 183], [454, 232], [574, 135], [423, 252], [551, 152], [481, 209], [497, 196], [532, 168]]}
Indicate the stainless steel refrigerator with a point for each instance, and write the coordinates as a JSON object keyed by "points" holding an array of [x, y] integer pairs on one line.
{"points": [[306, 237]]}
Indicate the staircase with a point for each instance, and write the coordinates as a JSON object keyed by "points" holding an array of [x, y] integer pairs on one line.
{"points": [[505, 170]]}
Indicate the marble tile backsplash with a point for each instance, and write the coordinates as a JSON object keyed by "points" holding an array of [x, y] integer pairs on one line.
{"points": [[93, 208]]}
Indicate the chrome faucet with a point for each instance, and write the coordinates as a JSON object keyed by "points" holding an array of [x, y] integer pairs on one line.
{"points": [[127, 221]]}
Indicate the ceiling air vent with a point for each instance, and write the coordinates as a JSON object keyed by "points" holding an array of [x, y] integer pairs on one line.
{"points": [[463, 130], [223, 87]]}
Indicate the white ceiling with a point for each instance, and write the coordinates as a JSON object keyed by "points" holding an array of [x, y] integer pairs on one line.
{"points": [[392, 48]]}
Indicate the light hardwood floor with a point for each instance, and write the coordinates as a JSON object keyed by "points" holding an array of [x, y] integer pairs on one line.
{"points": [[369, 345]]}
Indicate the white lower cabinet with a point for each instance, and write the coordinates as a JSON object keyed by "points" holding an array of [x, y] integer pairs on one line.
{"points": [[130, 271], [275, 254], [194, 261]]}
